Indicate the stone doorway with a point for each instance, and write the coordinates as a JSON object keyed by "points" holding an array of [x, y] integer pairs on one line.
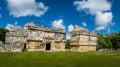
{"points": [[48, 46]]}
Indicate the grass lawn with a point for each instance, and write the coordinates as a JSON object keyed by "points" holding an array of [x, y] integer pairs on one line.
{"points": [[59, 59]]}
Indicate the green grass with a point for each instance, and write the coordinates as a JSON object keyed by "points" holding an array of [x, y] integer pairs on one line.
{"points": [[59, 59]]}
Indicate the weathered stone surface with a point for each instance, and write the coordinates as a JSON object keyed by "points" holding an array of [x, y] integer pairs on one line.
{"points": [[14, 47], [2, 47], [15, 40], [40, 36], [35, 38], [83, 40]]}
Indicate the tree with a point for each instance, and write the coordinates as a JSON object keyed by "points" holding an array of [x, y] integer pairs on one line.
{"points": [[108, 38], [116, 40], [67, 46], [102, 43], [2, 34], [109, 41]]}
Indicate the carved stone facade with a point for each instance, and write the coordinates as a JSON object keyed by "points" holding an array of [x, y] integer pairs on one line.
{"points": [[15, 40], [83, 40], [35, 38], [42, 38]]}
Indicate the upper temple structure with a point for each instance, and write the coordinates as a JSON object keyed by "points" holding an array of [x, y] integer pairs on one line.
{"points": [[35, 38], [83, 40]]}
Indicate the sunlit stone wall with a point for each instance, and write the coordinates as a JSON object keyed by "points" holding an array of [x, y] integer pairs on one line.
{"points": [[83, 40]]}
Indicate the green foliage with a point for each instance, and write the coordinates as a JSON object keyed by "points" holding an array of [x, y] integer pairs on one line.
{"points": [[2, 34], [24, 50], [109, 41], [67, 46], [101, 42], [116, 40], [59, 59]]}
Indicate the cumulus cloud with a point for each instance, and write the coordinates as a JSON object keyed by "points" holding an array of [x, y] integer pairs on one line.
{"points": [[92, 6], [68, 36], [10, 26], [103, 20], [58, 24], [100, 28], [70, 28], [84, 24], [101, 9], [21, 8]]}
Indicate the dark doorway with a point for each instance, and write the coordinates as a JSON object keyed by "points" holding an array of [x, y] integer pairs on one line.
{"points": [[48, 45], [24, 49]]}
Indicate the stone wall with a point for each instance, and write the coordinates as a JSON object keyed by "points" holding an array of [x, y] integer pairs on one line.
{"points": [[2, 47], [14, 47], [83, 40], [35, 46], [58, 46], [15, 40]]}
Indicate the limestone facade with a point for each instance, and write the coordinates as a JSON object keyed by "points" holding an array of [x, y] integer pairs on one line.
{"points": [[2, 47], [42, 38], [15, 40], [83, 40], [35, 38], [39, 38]]}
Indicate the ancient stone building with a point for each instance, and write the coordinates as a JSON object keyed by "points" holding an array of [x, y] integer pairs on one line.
{"points": [[83, 40], [16, 40], [35, 38], [41, 38]]}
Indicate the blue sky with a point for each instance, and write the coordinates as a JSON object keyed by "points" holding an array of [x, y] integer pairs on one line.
{"points": [[100, 15]]}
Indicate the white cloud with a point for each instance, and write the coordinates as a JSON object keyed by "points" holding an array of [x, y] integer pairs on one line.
{"points": [[84, 24], [103, 20], [101, 9], [70, 28], [68, 36], [100, 28], [93, 6], [19, 8], [11, 26], [58, 24]]}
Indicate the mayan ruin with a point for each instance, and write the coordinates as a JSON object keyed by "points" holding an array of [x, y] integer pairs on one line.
{"points": [[16, 40], [35, 38], [40, 38], [83, 40]]}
